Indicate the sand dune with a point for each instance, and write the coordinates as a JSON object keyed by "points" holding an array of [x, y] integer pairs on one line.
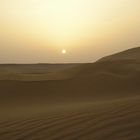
{"points": [[95, 101], [35, 72], [93, 81], [131, 54]]}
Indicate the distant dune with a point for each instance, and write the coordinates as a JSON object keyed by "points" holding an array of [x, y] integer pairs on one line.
{"points": [[95, 101], [131, 54], [34, 72]]}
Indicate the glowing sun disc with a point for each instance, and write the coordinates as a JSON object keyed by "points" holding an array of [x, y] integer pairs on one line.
{"points": [[64, 51]]}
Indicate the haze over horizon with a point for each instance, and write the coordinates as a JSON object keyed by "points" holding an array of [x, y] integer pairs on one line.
{"points": [[40, 31]]}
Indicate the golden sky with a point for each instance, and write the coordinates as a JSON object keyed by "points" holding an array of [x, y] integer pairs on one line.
{"points": [[33, 31]]}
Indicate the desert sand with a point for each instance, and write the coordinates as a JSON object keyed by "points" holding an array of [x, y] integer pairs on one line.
{"points": [[95, 101]]}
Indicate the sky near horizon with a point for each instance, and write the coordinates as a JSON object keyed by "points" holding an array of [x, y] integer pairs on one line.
{"points": [[61, 31]]}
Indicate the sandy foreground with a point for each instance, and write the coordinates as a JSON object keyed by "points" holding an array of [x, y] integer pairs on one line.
{"points": [[103, 120]]}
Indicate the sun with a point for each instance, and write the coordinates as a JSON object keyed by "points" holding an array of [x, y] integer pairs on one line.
{"points": [[63, 51]]}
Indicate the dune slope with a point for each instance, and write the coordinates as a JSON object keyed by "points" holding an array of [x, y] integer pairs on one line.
{"points": [[131, 54]]}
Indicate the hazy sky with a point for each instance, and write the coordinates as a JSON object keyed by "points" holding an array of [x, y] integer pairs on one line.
{"points": [[35, 31]]}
